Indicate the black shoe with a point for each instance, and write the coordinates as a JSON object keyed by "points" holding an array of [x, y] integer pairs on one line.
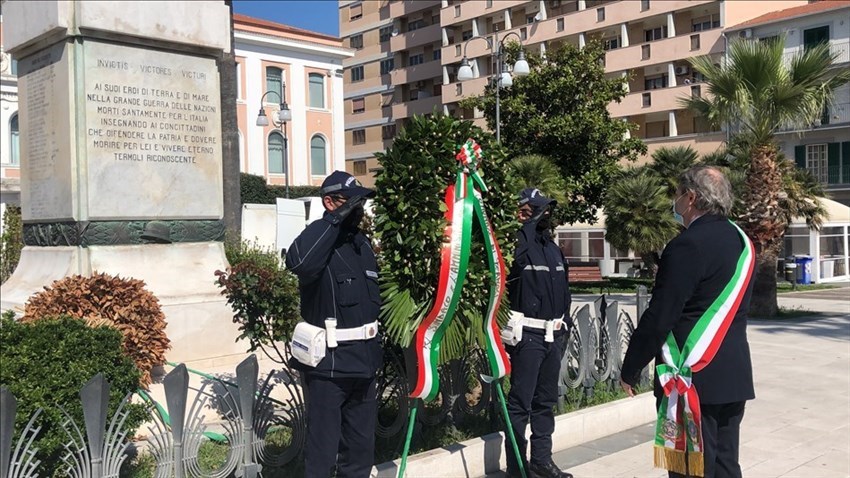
{"points": [[548, 470]]}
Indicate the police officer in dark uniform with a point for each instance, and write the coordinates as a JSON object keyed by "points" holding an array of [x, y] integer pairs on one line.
{"points": [[338, 281], [540, 298]]}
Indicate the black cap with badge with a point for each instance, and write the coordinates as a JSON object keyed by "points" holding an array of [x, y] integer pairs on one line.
{"points": [[346, 185], [534, 198]]}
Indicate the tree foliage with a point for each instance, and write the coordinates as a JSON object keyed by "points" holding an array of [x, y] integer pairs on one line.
{"points": [[560, 110], [409, 224], [756, 92], [638, 215], [538, 171], [264, 297], [11, 241]]}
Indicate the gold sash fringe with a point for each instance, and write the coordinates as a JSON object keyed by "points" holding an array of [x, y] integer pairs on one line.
{"points": [[677, 461]]}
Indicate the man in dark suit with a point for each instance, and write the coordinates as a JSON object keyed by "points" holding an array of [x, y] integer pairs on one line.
{"points": [[696, 329]]}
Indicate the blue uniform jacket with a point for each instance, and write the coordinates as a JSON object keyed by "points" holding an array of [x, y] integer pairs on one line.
{"points": [[338, 278], [537, 283]]}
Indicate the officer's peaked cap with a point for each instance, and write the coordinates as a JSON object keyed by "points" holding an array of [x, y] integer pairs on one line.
{"points": [[534, 198], [344, 184]]}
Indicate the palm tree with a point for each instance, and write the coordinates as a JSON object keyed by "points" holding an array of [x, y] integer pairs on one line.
{"points": [[538, 171], [668, 163], [638, 217], [754, 93]]}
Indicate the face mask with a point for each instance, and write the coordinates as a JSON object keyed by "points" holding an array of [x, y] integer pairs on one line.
{"points": [[352, 221], [676, 216], [544, 222]]}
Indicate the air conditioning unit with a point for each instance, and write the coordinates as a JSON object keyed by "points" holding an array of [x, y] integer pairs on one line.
{"points": [[747, 33], [682, 70]]}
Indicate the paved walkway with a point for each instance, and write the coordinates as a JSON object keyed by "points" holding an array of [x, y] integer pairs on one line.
{"points": [[796, 427]]}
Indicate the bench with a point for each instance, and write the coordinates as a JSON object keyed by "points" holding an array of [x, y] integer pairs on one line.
{"points": [[587, 275]]}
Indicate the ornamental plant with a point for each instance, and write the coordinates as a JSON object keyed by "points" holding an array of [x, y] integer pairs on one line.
{"points": [[409, 224], [46, 362], [102, 299], [264, 297]]}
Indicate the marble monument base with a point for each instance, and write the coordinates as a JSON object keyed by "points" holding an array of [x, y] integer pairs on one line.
{"points": [[181, 276]]}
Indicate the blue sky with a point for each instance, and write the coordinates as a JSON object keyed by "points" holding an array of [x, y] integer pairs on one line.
{"points": [[317, 15]]}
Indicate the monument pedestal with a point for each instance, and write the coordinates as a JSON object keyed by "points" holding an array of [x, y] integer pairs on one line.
{"points": [[120, 128]]}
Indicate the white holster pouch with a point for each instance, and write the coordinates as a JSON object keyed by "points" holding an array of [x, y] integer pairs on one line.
{"points": [[308, 344], [512, 332]]}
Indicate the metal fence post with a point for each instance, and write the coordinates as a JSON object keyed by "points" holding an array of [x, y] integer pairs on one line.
{"points": [[247, 373], [642, 301], [176, 385]]}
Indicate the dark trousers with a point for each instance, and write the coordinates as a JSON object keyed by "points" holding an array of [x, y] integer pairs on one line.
{"points": [[341, 416], [721, 434], [534, 392]]}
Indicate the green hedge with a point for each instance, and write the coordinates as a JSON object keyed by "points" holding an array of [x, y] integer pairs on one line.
{"points": [[45, 363], [255, 190]]}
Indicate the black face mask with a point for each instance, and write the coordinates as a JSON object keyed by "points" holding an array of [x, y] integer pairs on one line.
{"points": [[352, 221], [545, 223]]}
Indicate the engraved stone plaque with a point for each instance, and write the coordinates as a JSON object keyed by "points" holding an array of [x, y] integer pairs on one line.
{"points": [[46, 120], [152, 134]]}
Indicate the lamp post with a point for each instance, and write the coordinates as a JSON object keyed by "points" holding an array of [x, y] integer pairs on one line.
{"points": [[284, 114], [502, 76]]}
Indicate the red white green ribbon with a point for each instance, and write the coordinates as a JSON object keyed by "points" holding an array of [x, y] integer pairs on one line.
{"points": [[678, 431], [463, 199]]}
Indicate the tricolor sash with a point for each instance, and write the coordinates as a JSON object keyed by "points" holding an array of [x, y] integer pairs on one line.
{"points": [[678, 431], [463, 199]]}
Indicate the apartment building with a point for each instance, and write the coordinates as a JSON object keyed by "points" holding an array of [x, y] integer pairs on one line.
{"points": [[407, 54], [307, 67], [824, 148], [396, 71]]}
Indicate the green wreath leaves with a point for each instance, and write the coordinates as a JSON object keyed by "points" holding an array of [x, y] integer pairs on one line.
{"points": [[409, 225]]}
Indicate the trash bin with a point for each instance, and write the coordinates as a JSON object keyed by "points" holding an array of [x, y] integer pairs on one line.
{"points": [[790, 270], [804, 268]]}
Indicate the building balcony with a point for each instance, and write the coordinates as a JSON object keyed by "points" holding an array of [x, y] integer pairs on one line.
{"points": [[421, 72], [667, 50], [838, 115], [474, 9], [841, 50], [616, 13], [417, 107], [454, 92], [651, 101], [422, 36], [400, 8]]}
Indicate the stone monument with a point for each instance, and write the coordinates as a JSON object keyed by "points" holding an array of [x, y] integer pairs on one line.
{"points": [[121, 167]]}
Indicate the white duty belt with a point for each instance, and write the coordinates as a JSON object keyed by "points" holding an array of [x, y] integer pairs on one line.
{"points": [[335, 335]]}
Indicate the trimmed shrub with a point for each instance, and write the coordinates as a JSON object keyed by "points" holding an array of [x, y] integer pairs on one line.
{"points": [[46, 363], [103, 299], [255, 190], [11, 242], [264, 297]]}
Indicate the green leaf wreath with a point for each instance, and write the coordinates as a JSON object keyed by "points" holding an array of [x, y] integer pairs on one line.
{"points": [[409, 225]]}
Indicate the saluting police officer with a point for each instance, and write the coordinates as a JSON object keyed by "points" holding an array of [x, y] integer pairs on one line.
{"points": [[540, 306], [338, 281]]}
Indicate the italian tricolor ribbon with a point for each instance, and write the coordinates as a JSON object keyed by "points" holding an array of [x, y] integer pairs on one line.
{"points": [[678, 431], [463, 200]]}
